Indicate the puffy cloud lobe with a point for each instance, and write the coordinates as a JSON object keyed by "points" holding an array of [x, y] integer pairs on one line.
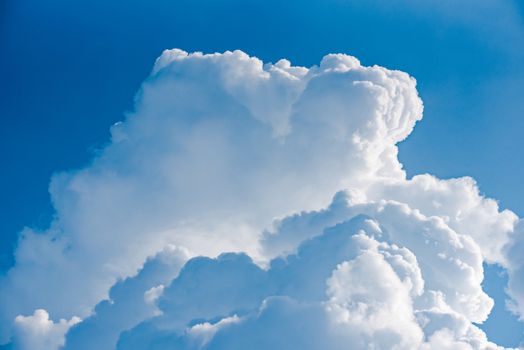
{"points": [[459, 203], [130, 302], [38, 332], [217, 147], [378, 307], [450, 262]]}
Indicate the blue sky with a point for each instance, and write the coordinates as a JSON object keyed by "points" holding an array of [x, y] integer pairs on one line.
{"points": [[70, 69]]}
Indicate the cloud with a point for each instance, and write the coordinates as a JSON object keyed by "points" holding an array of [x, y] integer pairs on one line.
{"points": [[345, 286], [38, 332], [515, 270], [130, 302], [437, 246], [283, 184]]}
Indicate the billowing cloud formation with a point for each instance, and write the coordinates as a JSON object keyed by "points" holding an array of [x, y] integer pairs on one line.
{"points": [[346, 286], [38, 332], [244, 163], [130, 301]]}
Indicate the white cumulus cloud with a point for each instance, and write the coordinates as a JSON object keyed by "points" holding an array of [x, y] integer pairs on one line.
{"points": [[38, 332], [284, 184]]}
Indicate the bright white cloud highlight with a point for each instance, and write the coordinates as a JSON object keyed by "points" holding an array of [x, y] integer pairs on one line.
{"points": [[38, 332], [297, 169]]}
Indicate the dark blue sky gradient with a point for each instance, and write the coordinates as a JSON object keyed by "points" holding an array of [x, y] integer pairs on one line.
{"points": [[69, 69]]}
